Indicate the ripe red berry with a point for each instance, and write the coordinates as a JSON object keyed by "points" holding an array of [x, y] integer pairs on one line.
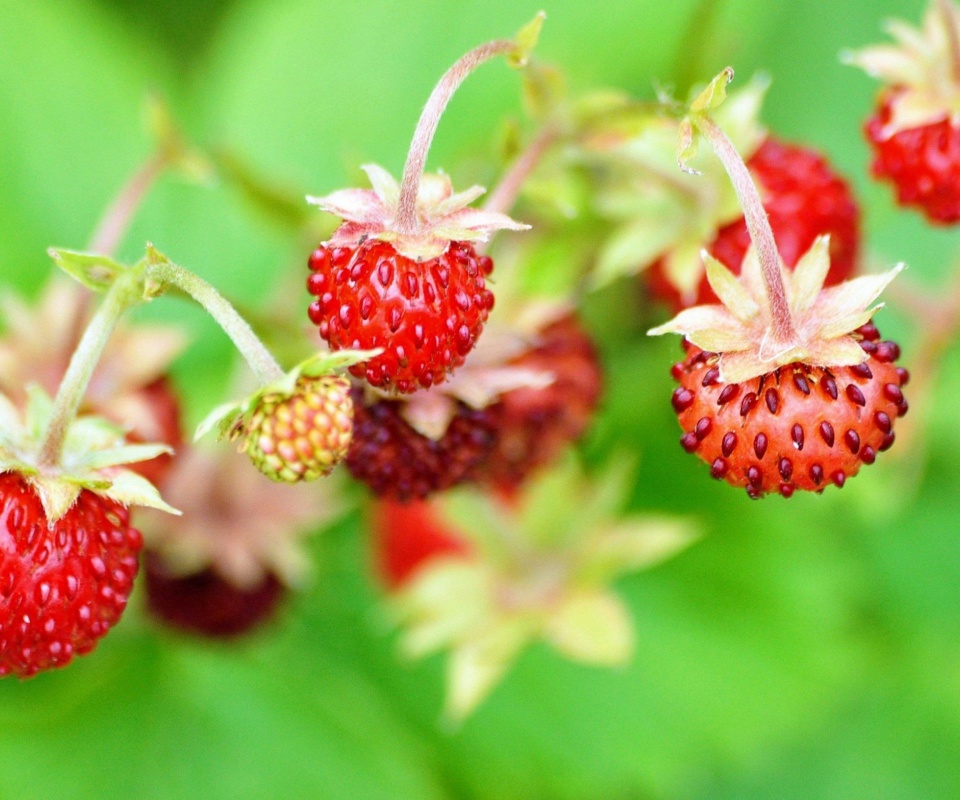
{"points": [[804, 198], [396, 461], [426, 315], [799, 427], [922, 162], [206, 603], [533, 424], [409, 535], [62, 588]]}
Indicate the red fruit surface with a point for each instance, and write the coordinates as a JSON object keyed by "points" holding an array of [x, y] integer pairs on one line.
{"points": [[207, 604], [800, 427], [804, 198], [61, 590], [407, 536], [922, 163], [426, 315], [396, 461], [534, 425]]}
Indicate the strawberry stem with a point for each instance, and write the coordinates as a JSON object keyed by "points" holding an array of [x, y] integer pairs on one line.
{"points": [[758, 225], [406, 221], [123, 295], [261, 361]]}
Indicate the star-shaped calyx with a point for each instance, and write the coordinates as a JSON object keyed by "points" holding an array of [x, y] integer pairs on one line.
{"points": [[537, 567], [442, 215], [753, 338], [922, 67], [94, 457]]}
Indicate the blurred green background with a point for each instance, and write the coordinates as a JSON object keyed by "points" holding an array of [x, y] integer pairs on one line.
{"points": [[804, 649]]}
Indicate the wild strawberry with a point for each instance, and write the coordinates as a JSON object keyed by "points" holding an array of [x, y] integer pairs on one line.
{"points": [[799, 427], [409, 535], [65, 584], [915, 131], [208, 604], [419, 296], [803, 197], [401, 272], [69, 553], [534, 423], [298, 427], [801, 413], [396, 461], [301, 436]]}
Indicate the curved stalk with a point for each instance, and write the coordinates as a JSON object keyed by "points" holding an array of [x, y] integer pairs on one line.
{"points": [[758, 225], [263, 364], [406, 221]]}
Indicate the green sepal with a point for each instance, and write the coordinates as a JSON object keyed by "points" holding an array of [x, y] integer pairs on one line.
{"points": [[126, 454], [131, 489], [714, 94], [525, 41], [94, 271], [93, 459]]}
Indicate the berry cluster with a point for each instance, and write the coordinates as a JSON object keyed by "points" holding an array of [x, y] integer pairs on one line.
{"points": [[458, 410]]}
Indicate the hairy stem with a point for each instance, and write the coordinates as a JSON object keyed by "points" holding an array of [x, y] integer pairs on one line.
{"points": [[122, 296], [119, 214], [758, 225], [263, 364], [406, 221]]}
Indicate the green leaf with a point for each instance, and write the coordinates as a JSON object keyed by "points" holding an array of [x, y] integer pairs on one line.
{"points": [[526, 40], [131, 489], [714, 94], [94, 271]]}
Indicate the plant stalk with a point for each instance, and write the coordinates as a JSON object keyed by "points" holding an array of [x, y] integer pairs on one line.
{"points": [[406, 221], [263, 364], [122, 296], [758, 225]]}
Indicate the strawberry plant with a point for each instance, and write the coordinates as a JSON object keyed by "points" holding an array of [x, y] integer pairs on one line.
{"points": [[382, 489]]}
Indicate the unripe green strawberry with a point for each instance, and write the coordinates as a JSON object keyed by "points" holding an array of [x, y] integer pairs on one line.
{"points": [[303, 436]]}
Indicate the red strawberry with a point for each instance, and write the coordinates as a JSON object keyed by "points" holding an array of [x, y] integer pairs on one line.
{"points": [[208, 604], [396, 461], [801, 393], [62, 587], [914, 131], [922, 162], [804, 198], [425, 314], [533, 424], [799, 427], [416, 289], [407, 536]]}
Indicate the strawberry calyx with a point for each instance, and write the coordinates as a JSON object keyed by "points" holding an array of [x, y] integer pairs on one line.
{"points": [[442, 215], [741, 329], [921, 67], [94, 457]]}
